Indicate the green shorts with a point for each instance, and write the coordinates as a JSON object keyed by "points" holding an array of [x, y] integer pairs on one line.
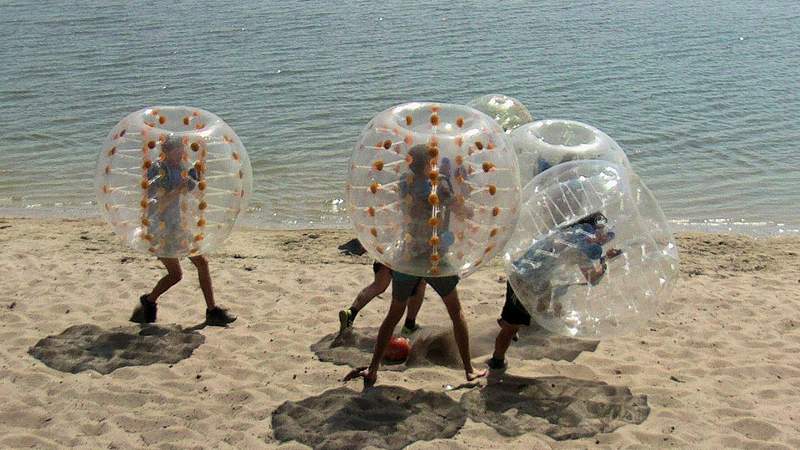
{"points": [[403, 285]]}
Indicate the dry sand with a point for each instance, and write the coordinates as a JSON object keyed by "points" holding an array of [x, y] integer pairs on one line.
{"points": [[719, 367]]}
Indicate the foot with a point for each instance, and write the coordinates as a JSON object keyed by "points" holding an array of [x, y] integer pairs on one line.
{"points": [[145, 312], [345, 319], [497, 365], [219, 317], [407, 331], [473, 375]]}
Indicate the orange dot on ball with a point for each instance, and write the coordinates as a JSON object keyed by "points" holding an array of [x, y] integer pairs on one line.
{"points": [[371, 211], [374, 187], [379, 249], [490, 146], [433, 199], [479, 145], [122, 133], [409, 120], [186, 121], [434, 270], [201, 222], [378, 165], [433, 151], [199, 126], [434, 241], [151, 145], [195, 146], [162, 120], [203, 205], [198, 237], [145, 184], [496, 211], [144, 203], [387, 144], [373, 231], [147, 164], [201, 185], [460, 122], [487, 166], [459, 160], [112, 151], [235, 156], [433, 174], [492, 189], [434, 119], [493, 233], [433, 221], [435, 257]]}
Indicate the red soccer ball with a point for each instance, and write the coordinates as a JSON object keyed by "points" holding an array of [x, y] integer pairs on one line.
{"points": [[398, 350]]}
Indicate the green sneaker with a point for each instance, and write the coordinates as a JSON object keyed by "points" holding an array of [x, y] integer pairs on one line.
{"points": [[408, 331], [345, 319]]}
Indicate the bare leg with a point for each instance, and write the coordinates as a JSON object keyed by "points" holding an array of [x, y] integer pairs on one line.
{"points": [[204, 275], [396, 310], [503, 340], [415, 302], [461, 333], [382, 279], [173, 276]]}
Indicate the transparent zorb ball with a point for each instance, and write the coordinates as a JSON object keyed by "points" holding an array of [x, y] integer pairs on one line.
{"points": [[433, 189], [543, 144], [585, 259], [509, 112], [172, 180]]}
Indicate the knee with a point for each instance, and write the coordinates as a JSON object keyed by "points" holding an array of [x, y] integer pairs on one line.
{"points": [[175, 277]]}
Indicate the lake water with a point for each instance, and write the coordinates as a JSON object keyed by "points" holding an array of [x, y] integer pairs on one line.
{"points": [[702, 95]]}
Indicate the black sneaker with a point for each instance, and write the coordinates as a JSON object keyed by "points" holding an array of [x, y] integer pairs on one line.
{"points": [[496, 365], [219, 317], [145, 312]]}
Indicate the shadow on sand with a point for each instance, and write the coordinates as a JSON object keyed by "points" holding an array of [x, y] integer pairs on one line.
{"points": [[385, 417], [560, 407], [89, 347], [436, 346]]}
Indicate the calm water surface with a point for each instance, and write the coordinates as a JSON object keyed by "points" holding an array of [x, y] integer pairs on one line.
{"points": [[702, 95]]}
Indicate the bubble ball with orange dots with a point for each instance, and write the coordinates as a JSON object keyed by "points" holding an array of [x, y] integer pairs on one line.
{"points": [[433, 189], [172, 180]]}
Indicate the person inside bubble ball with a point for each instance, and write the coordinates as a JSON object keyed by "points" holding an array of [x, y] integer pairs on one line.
{"points": [[415, 189], [579, 243], [170, 181], [381, 281]]}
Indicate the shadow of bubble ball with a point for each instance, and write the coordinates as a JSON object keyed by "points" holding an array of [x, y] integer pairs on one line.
{"points": [[384, 417], [89, 347], [560, 407]]}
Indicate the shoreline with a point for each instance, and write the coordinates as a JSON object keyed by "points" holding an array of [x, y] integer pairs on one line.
{"points": [[250, 221], [716, 367]]}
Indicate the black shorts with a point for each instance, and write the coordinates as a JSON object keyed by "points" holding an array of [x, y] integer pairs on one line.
{"points": [[513, 312], [404, 286]]}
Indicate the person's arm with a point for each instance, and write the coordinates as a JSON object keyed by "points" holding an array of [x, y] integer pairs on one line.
{"points": [[594, 274]]}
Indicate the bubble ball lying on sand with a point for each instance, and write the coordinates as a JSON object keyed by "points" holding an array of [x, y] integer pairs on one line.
{"points": [[171, 180], [546, 143], [509, 112], [433, 189], [585, 260]]}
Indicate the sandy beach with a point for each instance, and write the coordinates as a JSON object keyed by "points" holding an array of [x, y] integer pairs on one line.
{"points": [[718, 367]]}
